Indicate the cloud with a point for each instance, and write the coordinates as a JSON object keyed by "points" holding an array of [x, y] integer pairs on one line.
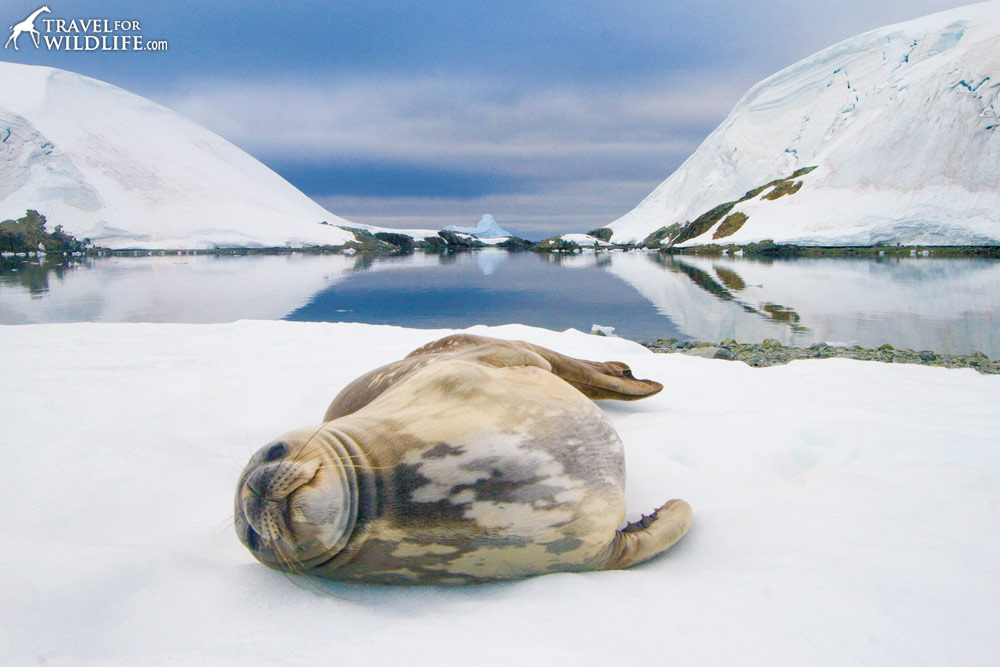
{"points": [[536, 112], [451, 120], [386, 141]]}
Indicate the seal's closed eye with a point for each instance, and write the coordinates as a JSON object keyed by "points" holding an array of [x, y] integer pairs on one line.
{"points": [[276, 452]]}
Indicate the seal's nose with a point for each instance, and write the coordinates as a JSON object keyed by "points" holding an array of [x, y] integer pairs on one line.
{"points": [[276, 481], [268, 488]]}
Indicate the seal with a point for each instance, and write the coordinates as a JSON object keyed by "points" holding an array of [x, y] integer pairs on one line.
{"points": [[470, 460]]}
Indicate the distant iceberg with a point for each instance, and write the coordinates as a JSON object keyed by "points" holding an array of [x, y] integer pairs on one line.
{"points": [[486, 229]]}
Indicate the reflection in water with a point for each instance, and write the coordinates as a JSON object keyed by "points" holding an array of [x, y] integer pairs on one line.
{"points": [[730, 278], [734, 282], [491, 287], [948, 305], [33, 275]]}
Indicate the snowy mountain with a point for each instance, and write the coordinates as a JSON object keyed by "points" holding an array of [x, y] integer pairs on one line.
{"points": [[486, 228], [902, 125], [128, 173]]}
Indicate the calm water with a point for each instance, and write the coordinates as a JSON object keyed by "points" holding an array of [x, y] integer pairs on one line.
{"points": [[946, 305]]}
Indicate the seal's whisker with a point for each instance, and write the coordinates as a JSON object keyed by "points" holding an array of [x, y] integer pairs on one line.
{"points": [[309, 439], [313, 586], [292, 564]]}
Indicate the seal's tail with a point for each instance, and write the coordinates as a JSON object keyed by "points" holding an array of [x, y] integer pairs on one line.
{"points": [[649, 536]]}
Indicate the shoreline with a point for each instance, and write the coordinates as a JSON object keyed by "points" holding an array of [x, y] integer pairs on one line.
{"points": [[771, 352], [382, 243]]}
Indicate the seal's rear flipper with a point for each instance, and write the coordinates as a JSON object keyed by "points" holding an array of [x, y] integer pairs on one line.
{"points": [[647, 537], [597, 379]]}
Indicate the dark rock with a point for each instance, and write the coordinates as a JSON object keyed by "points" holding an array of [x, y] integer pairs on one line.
{"points": [[460, 240], [602, 233], [399, 240]]}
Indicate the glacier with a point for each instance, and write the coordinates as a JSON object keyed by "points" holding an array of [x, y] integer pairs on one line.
{"points": [[902, 124], [126, 172]]}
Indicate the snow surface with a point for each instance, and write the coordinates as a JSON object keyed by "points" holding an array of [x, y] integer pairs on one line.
{"points": [[486, 228], [845, 512], [585, 240], [903, 124], [128, 173]]}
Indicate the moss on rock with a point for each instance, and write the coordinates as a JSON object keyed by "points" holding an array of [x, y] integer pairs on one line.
{"points": [[730, 225], [783, 188], [603, 233]]}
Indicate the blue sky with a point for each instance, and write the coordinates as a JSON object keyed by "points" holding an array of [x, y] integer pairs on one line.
{"points": [[553, 116]]}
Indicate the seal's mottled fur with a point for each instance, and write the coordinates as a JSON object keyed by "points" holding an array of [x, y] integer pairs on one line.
{"points": [[470, 460]]}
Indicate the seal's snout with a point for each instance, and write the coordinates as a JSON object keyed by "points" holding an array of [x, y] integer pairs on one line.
{"points": [[275, 481], [269, 489], [295, 501]]}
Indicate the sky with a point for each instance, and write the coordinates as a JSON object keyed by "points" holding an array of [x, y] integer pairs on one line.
{"points": [[553, 116]]}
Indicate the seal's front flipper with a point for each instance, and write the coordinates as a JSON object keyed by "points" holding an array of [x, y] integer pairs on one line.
{"points": [[596, 379], [647, 537]]}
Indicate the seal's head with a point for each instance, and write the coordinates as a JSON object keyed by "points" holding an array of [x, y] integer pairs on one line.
{"points": [[296, 502]]}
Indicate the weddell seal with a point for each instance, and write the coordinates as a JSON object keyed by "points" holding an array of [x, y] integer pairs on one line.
{"points": [[470, 460]]}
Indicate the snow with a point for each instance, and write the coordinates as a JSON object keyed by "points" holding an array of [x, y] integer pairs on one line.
{"points": [[903, 124], [845, 512], [128, 173], [486, 228], [585, 240]]}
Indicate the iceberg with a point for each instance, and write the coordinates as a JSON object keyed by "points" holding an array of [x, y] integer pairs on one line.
{"points": [[486, 228]]}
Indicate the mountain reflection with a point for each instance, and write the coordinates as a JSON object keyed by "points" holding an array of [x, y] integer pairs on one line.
{"points": [[948, 305]]}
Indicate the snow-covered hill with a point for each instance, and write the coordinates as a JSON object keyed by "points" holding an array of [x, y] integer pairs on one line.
{"points": [[126, 172], [901, 123]]}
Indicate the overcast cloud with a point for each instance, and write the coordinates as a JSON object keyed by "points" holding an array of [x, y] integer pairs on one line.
{"points": [[552, 116]]}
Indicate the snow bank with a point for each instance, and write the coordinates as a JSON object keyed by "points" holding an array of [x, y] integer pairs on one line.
{"points": [[902, 123], [845, 512], [585, 240]]}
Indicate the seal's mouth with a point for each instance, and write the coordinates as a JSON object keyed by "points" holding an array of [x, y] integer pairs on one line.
{"points": [[296, 502], [270, 504]]}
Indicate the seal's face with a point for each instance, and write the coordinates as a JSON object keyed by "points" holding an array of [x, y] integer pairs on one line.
{"points": [[294, 506]]}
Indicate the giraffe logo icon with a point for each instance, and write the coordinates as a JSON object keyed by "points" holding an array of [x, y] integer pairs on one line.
{"points": [[28, 26]]}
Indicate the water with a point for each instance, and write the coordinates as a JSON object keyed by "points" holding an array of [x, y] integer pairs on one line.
{"points": [[947, 305]]}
